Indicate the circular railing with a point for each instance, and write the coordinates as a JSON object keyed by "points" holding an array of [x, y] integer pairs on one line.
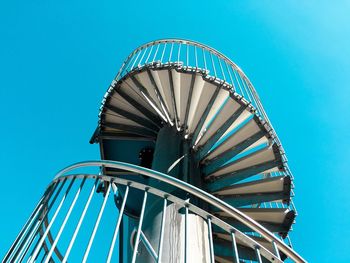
{"points": [[39, 226]]}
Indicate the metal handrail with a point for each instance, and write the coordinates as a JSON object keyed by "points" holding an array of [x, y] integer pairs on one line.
{"points": [[210, 199]]}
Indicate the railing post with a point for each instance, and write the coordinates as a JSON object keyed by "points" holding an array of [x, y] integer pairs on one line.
{"points": [[211, 245], [258, 256], [120, 216], [137, 239], [160, 246], [275, 249], [38, 246], [80, 222], [92, 237], [234, 246]]}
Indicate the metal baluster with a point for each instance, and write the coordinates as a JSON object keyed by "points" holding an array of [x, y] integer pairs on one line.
{"points": [[171, 51], [187, 59], [25, 228], [204, 60], [245, 88], [135, 60], [27, 244], [87, 251], [22, 246], [289, 242], [251, 93], [44, 256], [275, 249], [235, 249], [124, 67], [161, 59], [148, 246], [258, 256], [211, 246], [155, 53], [230, 75], [186, 234], [222, 70], [51, 222], [137, 239], [144, 53], [212, 62], [120, 216], [178, 54], [195, 55], [149, 54], [239, 85], [65, 220], [160, 246], [36, 228], [80, 222]]}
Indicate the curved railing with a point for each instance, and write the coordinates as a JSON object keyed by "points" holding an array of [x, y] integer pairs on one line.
{"points": [[24, 245], [198, 57]]}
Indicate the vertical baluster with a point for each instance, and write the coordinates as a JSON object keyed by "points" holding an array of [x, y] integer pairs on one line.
{"points": [[161, 58], [230, 75], [195, 55], [247, 90], [171, 52], [178, 54], [137, 239], [87, 251], [24, 248], [24, 230], [222, 70], [35, 253], [186, 234], [234, 247], [212, 62], [160, 246], [155, 53], [80, 222], [258, 256], [239, 85], [211, 246], [144, 53], [65, 220], [187, 55], [28, 239], [124, 68], [275, 249], [204, 60], [149, 54], [44, 256], [120, 216], [137, 57], [289, 242]]}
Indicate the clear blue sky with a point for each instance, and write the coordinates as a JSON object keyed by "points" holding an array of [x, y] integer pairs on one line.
{"points": [[57, 58]]}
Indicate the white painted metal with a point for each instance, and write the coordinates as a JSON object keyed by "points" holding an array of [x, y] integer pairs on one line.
{"points": [[259, 157], [274, 184]]}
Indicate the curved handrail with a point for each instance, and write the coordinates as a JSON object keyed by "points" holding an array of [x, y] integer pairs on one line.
{"points": [[235, 213]]}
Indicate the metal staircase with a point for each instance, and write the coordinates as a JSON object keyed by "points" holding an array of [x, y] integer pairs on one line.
{"points": [[191, 115]]}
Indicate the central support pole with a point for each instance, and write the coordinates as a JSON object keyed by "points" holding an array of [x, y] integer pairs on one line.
{"points": [[184, 236]]}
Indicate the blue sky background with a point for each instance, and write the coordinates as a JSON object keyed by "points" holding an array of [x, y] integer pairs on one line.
{"points": [[57, 58]]}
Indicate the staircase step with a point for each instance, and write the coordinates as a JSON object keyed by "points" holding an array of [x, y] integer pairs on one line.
{"points": [[224, 240], [271, 215], [255, 192]]}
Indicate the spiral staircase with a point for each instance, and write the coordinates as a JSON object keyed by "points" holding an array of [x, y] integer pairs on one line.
{"points": [[181, 122]]}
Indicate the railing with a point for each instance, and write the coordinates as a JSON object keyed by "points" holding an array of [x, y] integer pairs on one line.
{"points": [[201, 58], [37, 242]]}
